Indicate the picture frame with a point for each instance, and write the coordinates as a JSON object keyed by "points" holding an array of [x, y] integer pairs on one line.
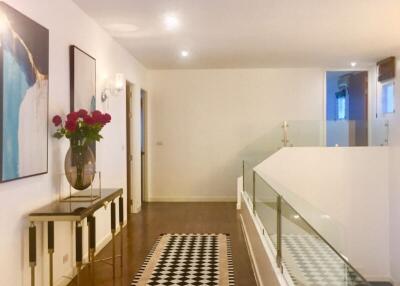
{"points": [[82, 82], [24, 96]]}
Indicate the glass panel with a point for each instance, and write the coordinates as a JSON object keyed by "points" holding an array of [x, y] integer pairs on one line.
{"points": [[380, 132], [337, 133], [305, 133], [258, 151], [262, 147], [328, 227], [248, 178], [266, 208], [308, 258]]}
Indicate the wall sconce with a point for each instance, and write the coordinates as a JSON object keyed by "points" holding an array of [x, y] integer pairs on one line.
{"points": [[113, 89]]}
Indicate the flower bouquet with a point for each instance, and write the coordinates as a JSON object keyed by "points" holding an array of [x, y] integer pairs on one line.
{"points": [[82, 129]]}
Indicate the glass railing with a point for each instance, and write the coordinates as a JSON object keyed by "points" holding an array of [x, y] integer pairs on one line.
{"points": [[263, 146], [301, 251], [297, 230], [256, 152], [333, 133], [327, 226]]}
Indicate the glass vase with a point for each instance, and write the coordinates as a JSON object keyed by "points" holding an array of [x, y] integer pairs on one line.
{"points": [[80, 166]]}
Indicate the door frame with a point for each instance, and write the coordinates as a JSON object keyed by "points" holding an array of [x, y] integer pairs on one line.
{"points": [[129, 150], [144, 157]]}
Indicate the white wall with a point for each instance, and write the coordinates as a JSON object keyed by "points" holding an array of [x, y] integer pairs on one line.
{"points": [[350, 185], [201, 120], [68, 25], [394, 169]]}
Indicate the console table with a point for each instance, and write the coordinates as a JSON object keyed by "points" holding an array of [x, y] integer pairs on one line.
{"points": [[75, 211]]}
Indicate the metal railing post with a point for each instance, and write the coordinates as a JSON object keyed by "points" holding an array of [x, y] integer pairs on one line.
{"points": [[254, 191], [279, 233]]}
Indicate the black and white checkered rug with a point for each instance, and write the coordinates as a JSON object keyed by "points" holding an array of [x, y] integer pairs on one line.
{"points": [[188, 259]]}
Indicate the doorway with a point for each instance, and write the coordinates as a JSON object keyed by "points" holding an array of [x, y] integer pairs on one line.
{"points": [[347, 108], [129, 155], [143, 144]]}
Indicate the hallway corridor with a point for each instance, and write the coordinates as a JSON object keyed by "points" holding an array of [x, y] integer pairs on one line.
{"points": [[144, 229]]}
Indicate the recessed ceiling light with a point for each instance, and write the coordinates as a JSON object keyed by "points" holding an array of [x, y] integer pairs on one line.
{"points": [[296, 216], [353, 64], [184, 54], [171, 22]]}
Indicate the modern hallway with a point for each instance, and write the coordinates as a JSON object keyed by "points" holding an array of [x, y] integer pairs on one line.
{"points": [[144, 229]]}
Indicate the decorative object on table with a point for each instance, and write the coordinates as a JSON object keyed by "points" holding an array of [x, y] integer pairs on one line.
{"points": [[82, 129], [24, 85], [188, 259], [82, 82]]}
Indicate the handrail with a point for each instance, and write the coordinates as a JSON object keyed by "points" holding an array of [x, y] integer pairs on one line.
{"points": [[280, 199]]}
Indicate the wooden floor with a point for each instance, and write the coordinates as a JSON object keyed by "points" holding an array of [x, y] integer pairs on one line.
{"points": [[156, 218]]}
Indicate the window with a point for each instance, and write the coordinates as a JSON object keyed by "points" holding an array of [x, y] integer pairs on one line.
{"points": [[341, 104], [388, 97]]}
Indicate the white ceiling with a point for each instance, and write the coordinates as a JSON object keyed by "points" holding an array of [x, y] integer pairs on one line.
{"points": [[252, 33]]}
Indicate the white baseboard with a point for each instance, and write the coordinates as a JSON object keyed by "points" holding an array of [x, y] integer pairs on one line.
{"points": [[193, 199]]}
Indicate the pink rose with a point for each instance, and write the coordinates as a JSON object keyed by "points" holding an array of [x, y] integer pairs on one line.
{"points": [[107, 118], [71, 125], [97, 117], [88, 120], [82, 113], [57, 120], [73, 116]]}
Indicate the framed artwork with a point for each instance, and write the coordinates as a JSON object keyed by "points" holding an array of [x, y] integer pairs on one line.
{"points": [[82, 82], [24, 93]]}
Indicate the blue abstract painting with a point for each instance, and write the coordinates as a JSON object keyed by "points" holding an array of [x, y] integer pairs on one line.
{"points": [[24, 80]]}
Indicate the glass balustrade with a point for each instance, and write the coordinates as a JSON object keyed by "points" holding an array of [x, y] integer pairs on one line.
{"points": [[333, 133], [301, 251], [307, 243], [308, 257]]}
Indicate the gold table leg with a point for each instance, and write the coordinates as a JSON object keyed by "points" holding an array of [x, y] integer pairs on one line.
{"points": [[78, 272], [51, 268], [32, 275]]}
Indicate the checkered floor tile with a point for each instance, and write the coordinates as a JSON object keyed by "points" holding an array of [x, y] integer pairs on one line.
{"points": [[188, 259]]}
